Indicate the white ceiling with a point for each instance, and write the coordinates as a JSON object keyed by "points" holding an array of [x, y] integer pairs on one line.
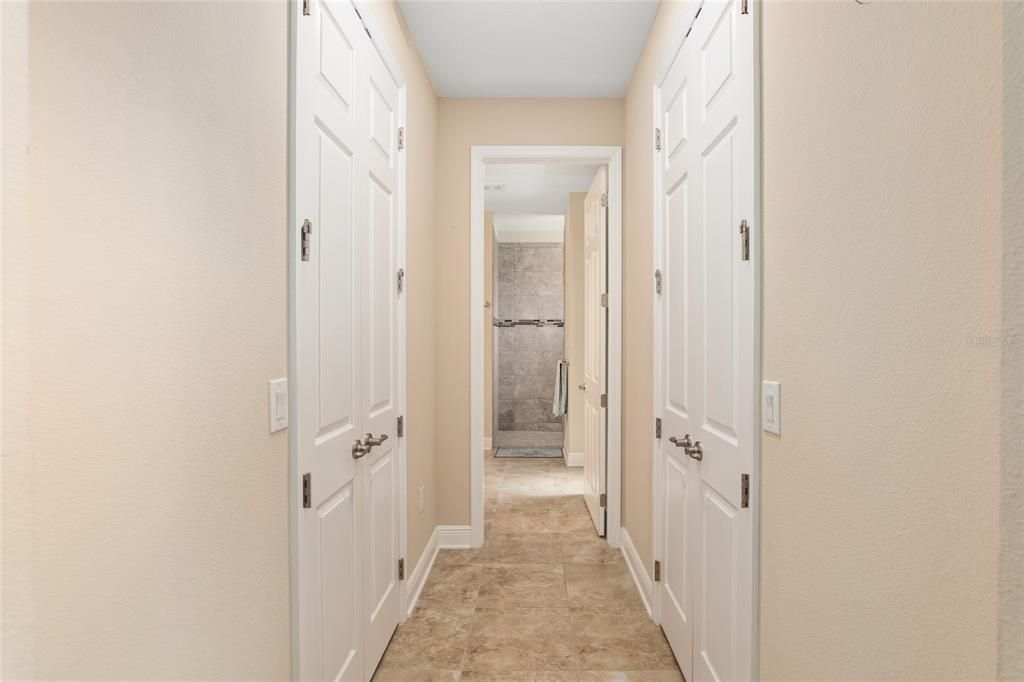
{"points": [[503, 48], [529, 227], [534, 187]]}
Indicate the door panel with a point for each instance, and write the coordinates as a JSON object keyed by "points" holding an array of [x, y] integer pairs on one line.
{"points": [[346, 344], [338, 537], [706, 339], [595, 362]]}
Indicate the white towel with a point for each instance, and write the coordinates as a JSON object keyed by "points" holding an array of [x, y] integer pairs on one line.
{"points": [[561, 404]]}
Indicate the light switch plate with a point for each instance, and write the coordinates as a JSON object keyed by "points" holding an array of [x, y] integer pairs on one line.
{"points": [[278, 396], [771, 407]]}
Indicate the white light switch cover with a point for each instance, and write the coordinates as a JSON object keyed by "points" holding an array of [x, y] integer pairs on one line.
{"points": [[278, 396], [771, 407]]}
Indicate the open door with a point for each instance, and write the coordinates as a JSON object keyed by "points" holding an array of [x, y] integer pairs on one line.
{"points": [[595, 349]]}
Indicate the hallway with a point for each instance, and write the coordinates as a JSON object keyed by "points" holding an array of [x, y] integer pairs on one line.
{"points": [[543, 600]]}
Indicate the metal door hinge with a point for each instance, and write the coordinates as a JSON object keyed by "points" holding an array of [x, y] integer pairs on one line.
{"points": [[604, 300], [657, 281], [401, 138], [657, 571], [305, 8], [745, 7], [401, 569], [307, 491], [401, 280], [604, 499], [604, 400], [657, 427], [744, 490], [604, 201], [745, 237], [657, 139], [400, 428], [306, 231]]}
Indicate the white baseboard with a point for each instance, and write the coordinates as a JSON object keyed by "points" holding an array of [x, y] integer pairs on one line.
{"points": [[454, 537], [641, 577], [488, 442], [418, 576], [574, 459]]}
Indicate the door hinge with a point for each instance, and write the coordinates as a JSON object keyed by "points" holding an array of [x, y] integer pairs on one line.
{"points": [[745, 237], [604, 499], [400, 428], [657, 571], [604, 300], [401, 280], [401, 569], [307, 491], [657, 427], [657, 281], [305, 8], [604, 400], [744, 490], [401, 138], [657, 139], [745, 7], [306, 231], [604, 201]]}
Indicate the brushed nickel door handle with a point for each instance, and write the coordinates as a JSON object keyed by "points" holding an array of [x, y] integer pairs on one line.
{"points": [[685, 443], [582, 387], [372, 442], [696, 451], [359, 450]]}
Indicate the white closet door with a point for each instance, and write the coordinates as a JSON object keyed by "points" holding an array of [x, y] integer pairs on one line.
{"points": [[595, 344], [347, 344], [708, 326], [329, 315], [380, 187]]}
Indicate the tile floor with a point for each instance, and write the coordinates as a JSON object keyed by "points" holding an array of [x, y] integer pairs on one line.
{"points": [[544, 600]]}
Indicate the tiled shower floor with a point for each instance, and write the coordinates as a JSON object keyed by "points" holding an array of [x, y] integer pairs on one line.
{"points": [[528, 439], [544, 600]]}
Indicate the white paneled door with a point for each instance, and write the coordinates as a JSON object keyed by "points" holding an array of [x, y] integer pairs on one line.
{"points": [[595, 349], [706, 343], [346, 344]]}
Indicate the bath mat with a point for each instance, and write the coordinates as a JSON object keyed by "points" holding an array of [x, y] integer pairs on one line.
{"points": [[544, 453]]}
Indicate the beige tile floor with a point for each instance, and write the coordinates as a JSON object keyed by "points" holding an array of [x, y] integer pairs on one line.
{"points": [[544, 600]]}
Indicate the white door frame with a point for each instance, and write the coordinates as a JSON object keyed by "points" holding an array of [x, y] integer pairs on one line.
{"points": [[367, 14], [606, 156], [657, 496]]}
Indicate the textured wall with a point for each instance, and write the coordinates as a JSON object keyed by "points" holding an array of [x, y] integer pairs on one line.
{"points": [[1011, 621], [879, 525]]}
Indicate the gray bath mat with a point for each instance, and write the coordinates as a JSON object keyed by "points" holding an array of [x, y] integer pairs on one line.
{"points": [[545, 453]]}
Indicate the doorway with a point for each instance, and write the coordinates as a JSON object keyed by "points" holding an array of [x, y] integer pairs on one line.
{"points": [[607, 163]]}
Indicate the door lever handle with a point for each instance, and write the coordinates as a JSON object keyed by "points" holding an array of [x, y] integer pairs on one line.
{"points": [[372, 442], [685, 443], [359, 450], [582, 387], [696, 451]]}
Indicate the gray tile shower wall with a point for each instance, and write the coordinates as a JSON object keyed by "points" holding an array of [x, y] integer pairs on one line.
{"points": [[529, 286]]}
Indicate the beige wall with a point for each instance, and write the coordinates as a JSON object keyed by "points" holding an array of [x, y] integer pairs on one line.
{"points": [[574, 435], [421, 150], [155, 312], [157, 297], [461, 124], [1011, 620], [882, 262]]}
